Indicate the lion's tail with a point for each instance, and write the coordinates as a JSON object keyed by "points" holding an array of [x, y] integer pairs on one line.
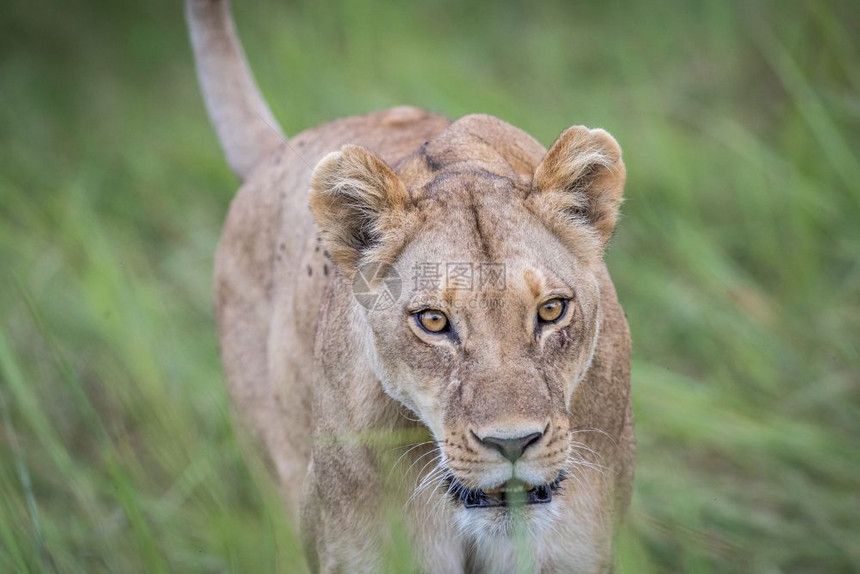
{"points": [[246, 128]]}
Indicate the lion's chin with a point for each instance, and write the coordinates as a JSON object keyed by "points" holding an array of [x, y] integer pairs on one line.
{"points": [[513, 493]]}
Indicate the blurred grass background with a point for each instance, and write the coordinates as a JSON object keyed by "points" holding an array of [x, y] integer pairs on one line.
{"points": [[737, 261]]}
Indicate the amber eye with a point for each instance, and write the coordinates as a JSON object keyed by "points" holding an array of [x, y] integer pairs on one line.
{"points": [[552, 310], [433, 321]]}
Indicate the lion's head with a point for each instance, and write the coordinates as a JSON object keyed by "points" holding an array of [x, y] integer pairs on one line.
{"points": [[497, 244]]}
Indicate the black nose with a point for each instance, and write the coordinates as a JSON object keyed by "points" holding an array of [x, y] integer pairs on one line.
{"points": [[511, 448]]}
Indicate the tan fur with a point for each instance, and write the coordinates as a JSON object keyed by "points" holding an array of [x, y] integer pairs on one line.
{"points": [[360, 411]]}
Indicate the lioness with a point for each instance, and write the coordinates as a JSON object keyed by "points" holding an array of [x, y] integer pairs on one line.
{"points": [[479, 385]]}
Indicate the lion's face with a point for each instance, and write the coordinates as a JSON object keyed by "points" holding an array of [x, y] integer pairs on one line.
{"points": [[491, 334], [498, 316]]}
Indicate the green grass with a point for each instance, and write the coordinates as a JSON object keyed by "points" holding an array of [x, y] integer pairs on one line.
{"points": [[737, 261]]}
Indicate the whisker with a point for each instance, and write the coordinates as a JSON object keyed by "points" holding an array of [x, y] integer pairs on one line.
{"points": [[437, 473], [584, 446], [410, 449], [440, 504], [435, 452], [599, 431]]}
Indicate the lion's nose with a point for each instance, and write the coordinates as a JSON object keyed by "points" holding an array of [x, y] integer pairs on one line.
{"points": [[512, 448]]}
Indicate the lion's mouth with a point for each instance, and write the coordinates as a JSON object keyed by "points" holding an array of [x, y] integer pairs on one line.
{"points": [[512, 493]]}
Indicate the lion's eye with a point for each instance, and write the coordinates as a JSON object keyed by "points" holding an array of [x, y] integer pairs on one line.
{"points": [[552, 310], [433, 321]]}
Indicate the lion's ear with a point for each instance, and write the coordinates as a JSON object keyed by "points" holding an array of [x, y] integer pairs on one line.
{"points": [[355, 199], [582, 179]]}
